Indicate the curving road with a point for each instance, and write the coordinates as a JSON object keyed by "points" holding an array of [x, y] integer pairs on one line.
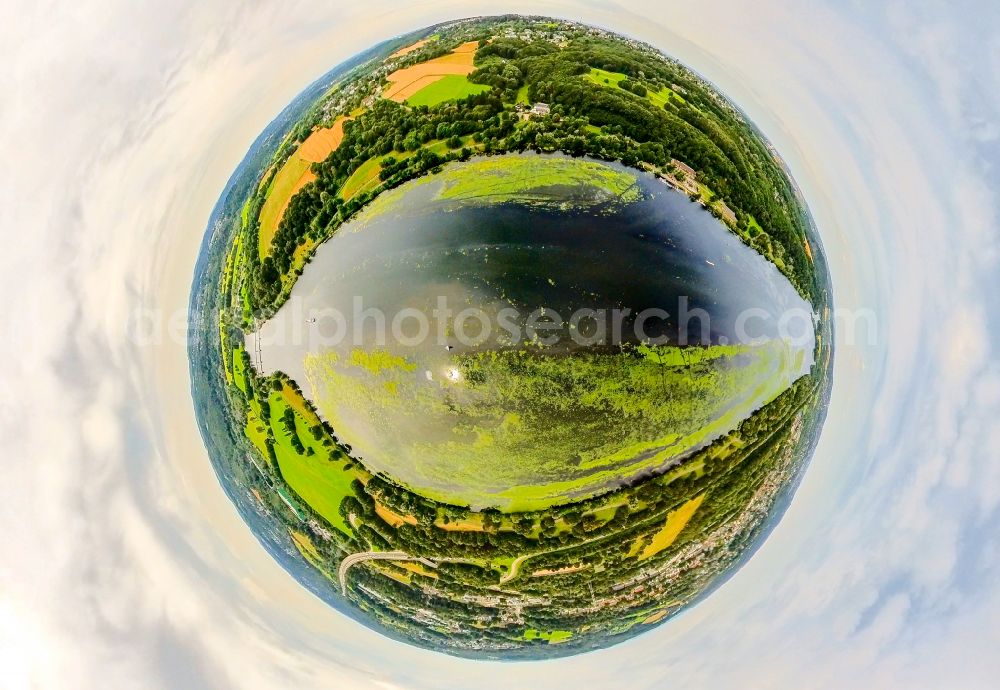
{"points": [[363, 556], [515, 568]]}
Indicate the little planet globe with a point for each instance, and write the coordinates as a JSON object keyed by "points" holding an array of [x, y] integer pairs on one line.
{"points": [[514, 338]]}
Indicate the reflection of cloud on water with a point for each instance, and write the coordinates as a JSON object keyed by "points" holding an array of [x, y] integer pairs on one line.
{"points": [[132, 569]]}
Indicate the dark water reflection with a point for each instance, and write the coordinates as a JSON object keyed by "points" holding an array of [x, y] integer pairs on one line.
{"points": [[662, 252]]}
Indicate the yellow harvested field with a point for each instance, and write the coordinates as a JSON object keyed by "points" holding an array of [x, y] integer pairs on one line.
{"points": [[293, 176], [409, 49], [676, 521], [322, 142], [307, 177], [460, 525], [462, 59], [392, 518], [305, 545], [636, 547], [407, 81], [298, 403], [389, 571], [416, 568], [558, 571], [656, 617], [468, 48]]}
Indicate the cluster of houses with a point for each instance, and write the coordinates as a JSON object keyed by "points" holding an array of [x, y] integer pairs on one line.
{"points": [[684, 178], [537, 110]]}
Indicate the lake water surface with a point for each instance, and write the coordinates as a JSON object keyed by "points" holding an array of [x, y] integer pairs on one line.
{"points": [[662, 252], [445, 408]]}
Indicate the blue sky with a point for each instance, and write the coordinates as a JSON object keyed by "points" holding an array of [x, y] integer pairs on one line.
{"points": [[124, 564]]}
